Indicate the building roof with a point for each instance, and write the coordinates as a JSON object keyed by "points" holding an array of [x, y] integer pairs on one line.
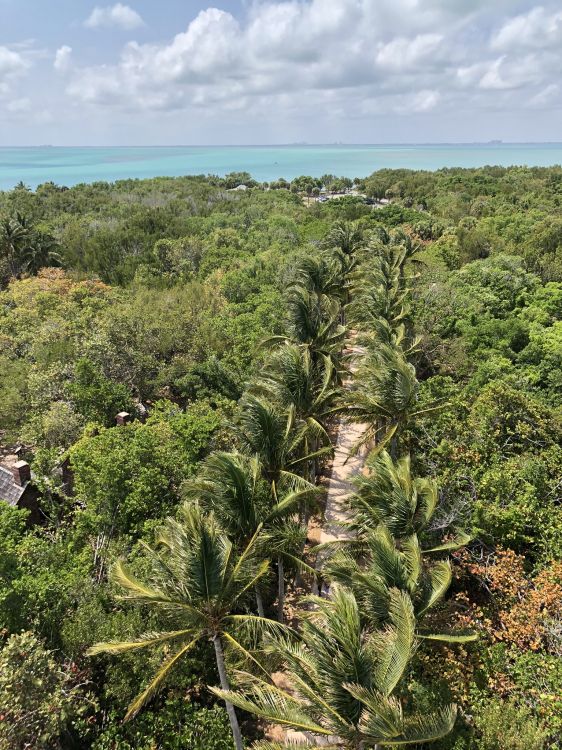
{"points": [[10, 490]]}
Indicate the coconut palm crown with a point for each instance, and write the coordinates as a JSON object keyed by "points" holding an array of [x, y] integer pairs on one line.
{"points": [[198, 587], [344, 681]]}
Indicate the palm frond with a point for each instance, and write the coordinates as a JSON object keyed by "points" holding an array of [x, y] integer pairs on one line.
{"points": [[461, 539], [425, 728], [395, 644], [439, 581], [150, 691], [144, 641], [458, 636], [272, 704]]}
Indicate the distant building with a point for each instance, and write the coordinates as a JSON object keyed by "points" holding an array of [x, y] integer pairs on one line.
{"points": [[16, 487]]}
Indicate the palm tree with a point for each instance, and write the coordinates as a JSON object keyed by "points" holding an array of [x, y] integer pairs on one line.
{"points": [[314, 322], [390, 511], [396, 335], [377, 295], [292, 379], [381, 288], [14, 239], [344, 681], [41, 252], [277, 438], [347, 236], [385, 396], [198, 585], [286, 541], [231, 485], [282, 445], [320, 274]]}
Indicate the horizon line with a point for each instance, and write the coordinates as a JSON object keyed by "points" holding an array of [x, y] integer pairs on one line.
{"points": [[299, 144]]}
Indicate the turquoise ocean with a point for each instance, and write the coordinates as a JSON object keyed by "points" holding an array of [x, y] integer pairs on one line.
{"points": [[69, 166]]}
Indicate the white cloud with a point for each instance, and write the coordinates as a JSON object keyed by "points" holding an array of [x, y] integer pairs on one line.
{"points": [[424, 101], [19, 106], [332, 59], [403, 53], [114, 16], [63, 59], [323, 45], [537, 28], [506, 73], [11, 63], [546, 97]]}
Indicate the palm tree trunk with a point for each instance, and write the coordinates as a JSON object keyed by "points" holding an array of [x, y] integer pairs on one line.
{"points": [[225, 685], [259, 602], [394, 447], [280, 588]]}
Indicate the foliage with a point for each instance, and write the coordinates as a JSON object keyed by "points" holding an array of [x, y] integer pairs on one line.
{"points": [[175, 725], [39, 700], [170, 289]]}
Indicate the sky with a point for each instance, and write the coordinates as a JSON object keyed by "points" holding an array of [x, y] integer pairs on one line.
{"points": [[77, 72]]}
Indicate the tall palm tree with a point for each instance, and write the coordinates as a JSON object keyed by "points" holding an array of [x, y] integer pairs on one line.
{"points": [[314, 322], [320, 274], [396, 335], [381, 287], [292, 379], [282, 445], [347, 236], [198, 587], [231, 485], [277, 438], [390, 512], [385, 396], [376, 296], [344, 681]]}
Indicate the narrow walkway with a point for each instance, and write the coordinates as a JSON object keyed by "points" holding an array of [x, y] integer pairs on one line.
{"points": [[345, 466]]}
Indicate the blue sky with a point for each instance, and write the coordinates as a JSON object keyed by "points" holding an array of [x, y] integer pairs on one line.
{"points": [[76, 72]]}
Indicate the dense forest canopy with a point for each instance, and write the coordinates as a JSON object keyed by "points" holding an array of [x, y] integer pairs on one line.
{"points": [[220, 320]]}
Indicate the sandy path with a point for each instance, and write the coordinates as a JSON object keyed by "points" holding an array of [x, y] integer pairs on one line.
{"points": [[345, 466]]}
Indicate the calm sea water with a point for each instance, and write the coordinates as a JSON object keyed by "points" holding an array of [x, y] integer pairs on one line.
{"points": [[69, 166]]}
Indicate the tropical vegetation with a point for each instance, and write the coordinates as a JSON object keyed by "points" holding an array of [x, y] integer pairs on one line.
{"points": [[174, 594]]}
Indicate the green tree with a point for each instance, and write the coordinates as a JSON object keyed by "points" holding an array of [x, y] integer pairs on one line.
{"points": [[344, 681], [96, 397], [231, 485], [42, 251], [276, 437], [38, 700], [198, 582], [14, 240], [391, 514], [291, 379], [385, 396], [128, 474], [313, 322]]}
